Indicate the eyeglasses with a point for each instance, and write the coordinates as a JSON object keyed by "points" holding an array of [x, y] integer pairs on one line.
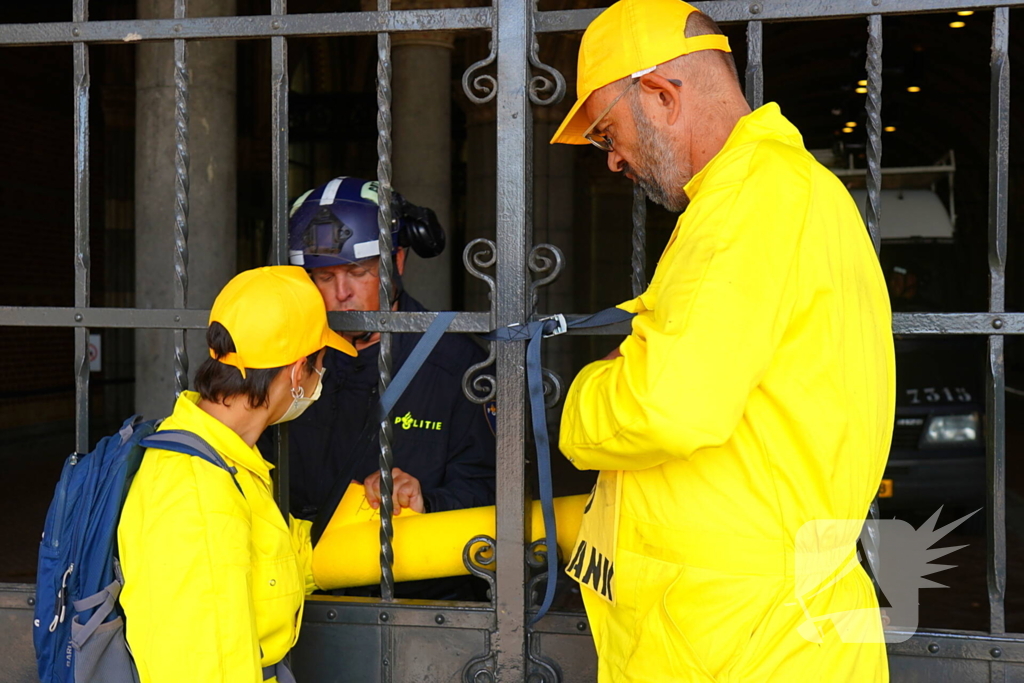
{"points": [[602, 140]]}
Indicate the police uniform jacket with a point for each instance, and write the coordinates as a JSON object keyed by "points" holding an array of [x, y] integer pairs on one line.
{"points": [[439, 436]]}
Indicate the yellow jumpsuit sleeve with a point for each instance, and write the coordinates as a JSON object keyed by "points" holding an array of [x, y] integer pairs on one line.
{"points": [[705, 331], [189, 594], [303, 543]]}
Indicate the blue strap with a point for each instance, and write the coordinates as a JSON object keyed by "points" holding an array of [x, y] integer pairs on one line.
{"points": [[420, 352], [189, 443], [534, 332]]}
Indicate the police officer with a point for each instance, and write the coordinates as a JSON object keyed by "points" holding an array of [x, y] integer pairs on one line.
{"points": [[443, 443]]}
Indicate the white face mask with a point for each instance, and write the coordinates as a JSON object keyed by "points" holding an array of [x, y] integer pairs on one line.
{"points": [[299, 400]]}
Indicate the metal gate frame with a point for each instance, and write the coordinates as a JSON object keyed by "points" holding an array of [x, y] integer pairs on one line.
{"points": [[500, 645]]}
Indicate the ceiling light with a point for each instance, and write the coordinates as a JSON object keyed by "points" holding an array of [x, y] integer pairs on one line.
{"points": [[890, 129], [965, 13], [851, 124], [847, 130], [957, 24], [914, 88], [862, 82], [861, 91]]}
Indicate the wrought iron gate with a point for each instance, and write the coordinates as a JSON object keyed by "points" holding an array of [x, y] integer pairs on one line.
{"points": [[365, 640]]}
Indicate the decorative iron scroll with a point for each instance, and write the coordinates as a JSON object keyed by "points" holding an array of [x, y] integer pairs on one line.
{"points": [[478, 555], [542, 669], [480, 669], [483, 83], [552, 387], [536, 559], [543, 90], [480, 388], [547, 261], [478, 255]]}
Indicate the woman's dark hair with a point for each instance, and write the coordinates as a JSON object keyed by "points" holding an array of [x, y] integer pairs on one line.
{"points": [[216, 381]]}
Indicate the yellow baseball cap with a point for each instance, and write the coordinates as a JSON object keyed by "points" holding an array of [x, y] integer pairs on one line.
{"points": [[627, 39], [275, 316]]}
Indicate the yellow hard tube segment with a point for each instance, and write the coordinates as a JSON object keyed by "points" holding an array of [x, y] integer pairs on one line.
{"points": [[427, 546]]}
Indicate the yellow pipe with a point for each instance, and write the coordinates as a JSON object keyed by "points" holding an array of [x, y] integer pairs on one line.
{"points": [[427, 546]]}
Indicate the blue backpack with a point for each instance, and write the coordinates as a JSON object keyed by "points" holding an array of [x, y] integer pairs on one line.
{"points": [[79, 629]]}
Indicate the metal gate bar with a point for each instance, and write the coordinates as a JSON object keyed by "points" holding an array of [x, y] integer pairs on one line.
{"points": [[873, 106], [384, 217], [199, 28], [753, 81], [80, 11], [514, 24], [514, 123], [476, 322], [181, 187], [736, 11], [279, 87], [995, 390]]}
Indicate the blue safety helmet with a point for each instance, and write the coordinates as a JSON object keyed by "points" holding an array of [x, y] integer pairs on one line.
{"points": [[336, 224]]}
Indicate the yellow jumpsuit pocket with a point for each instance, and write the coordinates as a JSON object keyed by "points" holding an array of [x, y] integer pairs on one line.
{"points": [[278, 597], [700, 627]]}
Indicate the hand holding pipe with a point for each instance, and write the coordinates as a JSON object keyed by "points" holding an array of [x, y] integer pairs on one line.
{"points": [[427, 546]]}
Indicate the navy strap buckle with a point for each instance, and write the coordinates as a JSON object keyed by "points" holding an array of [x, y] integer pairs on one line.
{"points": [[561, 327]]}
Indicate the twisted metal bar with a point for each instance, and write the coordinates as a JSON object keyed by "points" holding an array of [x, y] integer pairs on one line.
{"points": [[387, 531], [754, 75], [639, 241], [82, 254], [181, 187], [995, 387], [874, 113]]}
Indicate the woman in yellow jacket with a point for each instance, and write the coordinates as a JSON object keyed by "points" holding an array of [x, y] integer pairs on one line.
{"points": [[215, 578]]}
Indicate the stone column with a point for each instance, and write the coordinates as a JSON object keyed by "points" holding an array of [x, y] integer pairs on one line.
{"points": [[421, 86], [212, 200], [422, 150]]}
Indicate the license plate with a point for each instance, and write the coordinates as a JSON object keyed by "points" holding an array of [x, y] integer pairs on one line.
{"points": [[885, 489]]}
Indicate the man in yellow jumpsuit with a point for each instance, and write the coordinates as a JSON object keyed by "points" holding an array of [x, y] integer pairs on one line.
{"points": [[750, 411]]}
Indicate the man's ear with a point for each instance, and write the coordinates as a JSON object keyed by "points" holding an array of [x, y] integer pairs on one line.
{"points": [[668, 94], [400, 260]]}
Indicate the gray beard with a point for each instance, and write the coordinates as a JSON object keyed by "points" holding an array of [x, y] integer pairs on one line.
{"points": [[660, 175]]}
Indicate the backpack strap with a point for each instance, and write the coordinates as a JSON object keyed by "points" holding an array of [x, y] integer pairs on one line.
{"points": [[190, 443]]}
